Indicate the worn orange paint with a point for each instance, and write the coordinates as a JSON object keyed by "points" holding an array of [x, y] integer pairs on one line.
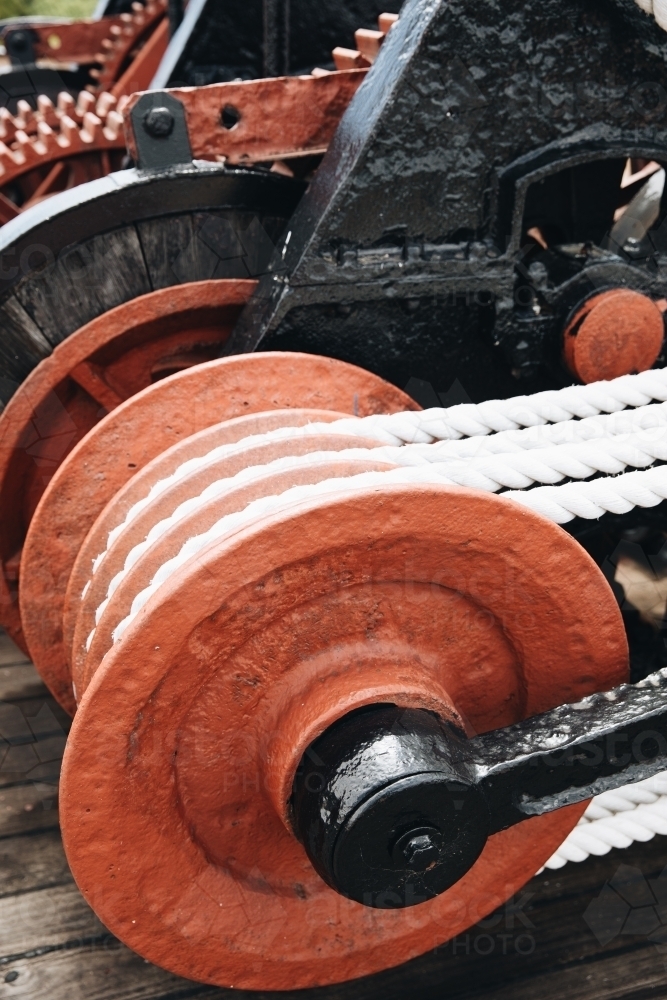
{"points": [[134, 434], [108, 44], [170, 544], [84, 661], [175, 776], [160, 468], [618, 332], [97, 367], [281, 117]]}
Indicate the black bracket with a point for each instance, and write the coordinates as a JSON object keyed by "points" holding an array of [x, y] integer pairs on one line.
{"points": [[160, 132], [394, 806], [20, 45]]}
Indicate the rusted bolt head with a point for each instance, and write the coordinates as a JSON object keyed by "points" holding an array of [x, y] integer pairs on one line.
{"points": [[618, 332], [159, 122]]}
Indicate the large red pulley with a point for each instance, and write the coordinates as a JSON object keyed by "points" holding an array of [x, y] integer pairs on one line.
{"points": [[224, 575], [178, 775]]}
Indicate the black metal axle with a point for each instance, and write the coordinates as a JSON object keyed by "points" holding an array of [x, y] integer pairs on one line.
{"points": [[394, 806]]}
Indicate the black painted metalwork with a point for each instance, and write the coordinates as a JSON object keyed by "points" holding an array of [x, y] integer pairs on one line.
{"points": [[404, 820], [639, 537], [248, 39], [175, 12], [161, 133], [276, 37], [20, 45], [394, 806], [411, 254]]}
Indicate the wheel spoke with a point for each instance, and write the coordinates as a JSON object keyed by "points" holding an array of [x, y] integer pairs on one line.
{"points": [[90, 378]]}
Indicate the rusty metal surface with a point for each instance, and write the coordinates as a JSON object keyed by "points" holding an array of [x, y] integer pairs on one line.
{"points": [[106, 45], [277, 118], [614, 333]]}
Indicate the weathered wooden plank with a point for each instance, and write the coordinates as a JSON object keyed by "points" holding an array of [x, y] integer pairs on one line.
{"points": [[33, 734], [558, 955], [47, 918], [26, 808], [9, 652], [96, 972], [84, 282], [21, 682], [22, 346], [173, 253], [633, 975], [32, 862]]}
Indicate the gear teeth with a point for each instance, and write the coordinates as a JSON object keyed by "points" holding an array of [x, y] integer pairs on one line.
{"points": [[85, 103], [18, 152], [368, 48], [7, 163], [44, 104], [105, 103], [8, 124], [69, 130], [123, 39], [46, 111], [114, 125], [92, 126], [24, 114], [65, 102], [32, 139]]}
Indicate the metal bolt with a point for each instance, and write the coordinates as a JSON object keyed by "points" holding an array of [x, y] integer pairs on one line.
{"points": [[159, 122], [420, 851], [19, 40]]}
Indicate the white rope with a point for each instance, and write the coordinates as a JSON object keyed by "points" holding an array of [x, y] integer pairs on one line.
{"points": [[639, 438], [576, 433], [658, 8], [619, 494], [591, 500], [502, 418], [551, 407], [492, 473], [617, 819]]}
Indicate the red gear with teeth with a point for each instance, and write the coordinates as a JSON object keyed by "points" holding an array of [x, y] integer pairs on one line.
{"points": [[124, 40], [57, 147]]}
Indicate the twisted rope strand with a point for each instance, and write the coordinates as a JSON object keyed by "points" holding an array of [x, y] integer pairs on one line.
{"points": [[493, 416]]}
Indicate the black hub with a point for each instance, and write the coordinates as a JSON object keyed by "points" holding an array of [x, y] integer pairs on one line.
{"points": [[394, 806], [404, 820]]}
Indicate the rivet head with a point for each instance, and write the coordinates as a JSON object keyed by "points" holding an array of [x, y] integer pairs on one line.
{"points": [[159, 122]]}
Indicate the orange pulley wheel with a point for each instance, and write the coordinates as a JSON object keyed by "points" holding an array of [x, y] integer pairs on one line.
{"points": [[135, 433], [246, 635], [88, 375], [616, 332]]}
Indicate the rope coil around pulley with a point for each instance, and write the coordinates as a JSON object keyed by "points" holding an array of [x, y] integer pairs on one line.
{"points": [[498, 459]]}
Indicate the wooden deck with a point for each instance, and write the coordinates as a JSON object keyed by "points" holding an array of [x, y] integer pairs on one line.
{"points": [[52, 947]]}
